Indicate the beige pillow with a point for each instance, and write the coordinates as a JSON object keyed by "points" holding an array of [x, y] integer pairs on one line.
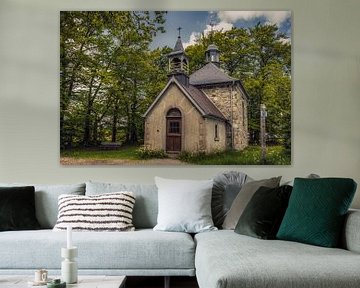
{"points": [[243, 198]]}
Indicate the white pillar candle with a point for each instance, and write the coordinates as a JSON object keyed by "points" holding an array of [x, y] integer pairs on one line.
{"points": [[69, 237]]}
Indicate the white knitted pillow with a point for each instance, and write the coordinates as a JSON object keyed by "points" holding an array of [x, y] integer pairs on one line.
{"points": [[105, 212]]}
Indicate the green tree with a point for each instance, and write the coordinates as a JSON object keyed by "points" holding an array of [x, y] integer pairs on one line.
{"points": [[102, 56]]}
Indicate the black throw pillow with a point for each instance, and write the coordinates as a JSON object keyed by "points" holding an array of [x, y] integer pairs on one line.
{"points": [[17, 209], [263, 214]]}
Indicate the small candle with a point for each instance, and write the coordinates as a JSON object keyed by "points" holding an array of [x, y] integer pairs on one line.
{"points": [[69, 237]]}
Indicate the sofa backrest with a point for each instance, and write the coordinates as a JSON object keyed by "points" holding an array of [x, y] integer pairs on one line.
{"points": [[351, 236], [146, 203], [46, 200]]}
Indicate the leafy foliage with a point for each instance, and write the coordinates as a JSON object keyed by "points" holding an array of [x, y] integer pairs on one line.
{"points": [[107, 74], [146, 153]]}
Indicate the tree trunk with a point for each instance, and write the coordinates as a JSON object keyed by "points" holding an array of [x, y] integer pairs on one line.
{"points": [[95, 132], [114, 122], [132, 129], [87, 120]]}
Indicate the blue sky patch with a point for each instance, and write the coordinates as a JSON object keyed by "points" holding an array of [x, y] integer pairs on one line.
{"points": [[193, 23]]}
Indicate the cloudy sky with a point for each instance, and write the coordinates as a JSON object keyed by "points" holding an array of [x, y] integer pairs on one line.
{"points": [[193, 23]]}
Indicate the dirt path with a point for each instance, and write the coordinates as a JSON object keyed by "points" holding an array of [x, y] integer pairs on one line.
{"points": [[75, 161]]}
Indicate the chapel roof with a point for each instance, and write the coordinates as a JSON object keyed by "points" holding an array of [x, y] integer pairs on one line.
{"points": [[198, 98], [212, 47], [210, 74]]}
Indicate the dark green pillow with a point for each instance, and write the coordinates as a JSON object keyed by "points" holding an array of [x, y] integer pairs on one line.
{"points": [[17, 208], [263, 214], [316, 211]]}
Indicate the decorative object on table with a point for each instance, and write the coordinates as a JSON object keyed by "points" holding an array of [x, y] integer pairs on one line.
{"points": [[41, 275], [69, 265], [40, 279], [56, 283]]}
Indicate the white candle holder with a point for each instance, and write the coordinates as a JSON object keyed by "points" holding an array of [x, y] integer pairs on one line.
{"points": [[69, 270]]}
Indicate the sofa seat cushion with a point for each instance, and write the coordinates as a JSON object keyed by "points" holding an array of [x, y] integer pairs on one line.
{"points": [[141, 249], [226, 259]]}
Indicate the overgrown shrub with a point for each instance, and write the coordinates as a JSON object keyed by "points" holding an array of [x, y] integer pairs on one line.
{"points": [[146, 153]]}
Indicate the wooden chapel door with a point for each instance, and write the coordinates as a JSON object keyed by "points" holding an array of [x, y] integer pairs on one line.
{"points": [[173, 130]]}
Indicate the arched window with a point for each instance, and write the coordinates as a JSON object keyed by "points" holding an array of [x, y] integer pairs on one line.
{"points": [[173, 112]]}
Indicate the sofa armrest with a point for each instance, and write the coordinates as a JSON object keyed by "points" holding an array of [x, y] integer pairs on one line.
{"points": [[351, 234]]}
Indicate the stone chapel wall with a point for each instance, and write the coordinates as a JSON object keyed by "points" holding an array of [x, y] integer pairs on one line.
{"points": [[231, 102]]}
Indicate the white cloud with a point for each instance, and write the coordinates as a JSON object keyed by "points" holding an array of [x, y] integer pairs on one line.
{"points": [[221, 26], [274, 17], [227, 18], [194, 36]]}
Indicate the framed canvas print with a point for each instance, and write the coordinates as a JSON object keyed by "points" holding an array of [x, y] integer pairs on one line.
{"points": [[175, 87]]}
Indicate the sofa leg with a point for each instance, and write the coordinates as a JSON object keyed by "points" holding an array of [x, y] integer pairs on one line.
{"points": [[167, 282]]}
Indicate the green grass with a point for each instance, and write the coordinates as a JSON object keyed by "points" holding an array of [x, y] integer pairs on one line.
{"points": [[128, 152], [275, 155]]}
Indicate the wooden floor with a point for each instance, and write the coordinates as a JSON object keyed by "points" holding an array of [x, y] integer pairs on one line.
{"points": [[158, 282]]}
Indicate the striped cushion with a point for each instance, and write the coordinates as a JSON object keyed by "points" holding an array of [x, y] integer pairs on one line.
{"points": [[105, 212]]}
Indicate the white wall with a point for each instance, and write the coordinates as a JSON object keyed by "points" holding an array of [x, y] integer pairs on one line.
{"points": [[326, 97]]}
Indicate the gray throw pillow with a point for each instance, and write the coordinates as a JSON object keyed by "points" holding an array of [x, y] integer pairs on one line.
{"points": [[226, 187], [242, 199], [184, 205]]}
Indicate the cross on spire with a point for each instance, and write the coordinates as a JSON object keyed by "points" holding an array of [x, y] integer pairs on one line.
{"points": [[179, 31], [212, 24]]}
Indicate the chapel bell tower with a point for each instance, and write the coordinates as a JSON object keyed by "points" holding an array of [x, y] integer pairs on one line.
{"points": [[212, 55], [179, 62]]}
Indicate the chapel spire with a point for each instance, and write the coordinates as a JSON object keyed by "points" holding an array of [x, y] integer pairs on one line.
{"points": [[178, 62]]}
